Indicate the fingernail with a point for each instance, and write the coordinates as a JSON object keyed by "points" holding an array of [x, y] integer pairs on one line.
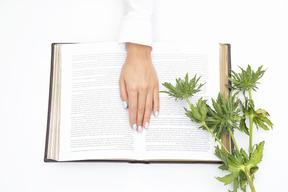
{"points": [[156, 114], [140, 129], [134, 126], [146, 125], [124, 104]]}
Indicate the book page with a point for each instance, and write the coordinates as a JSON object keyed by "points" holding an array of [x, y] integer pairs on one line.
{"points": [[94, 124], [173, 135]]}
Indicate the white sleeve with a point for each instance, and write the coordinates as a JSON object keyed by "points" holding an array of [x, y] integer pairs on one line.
{"points": [[136, 24]]}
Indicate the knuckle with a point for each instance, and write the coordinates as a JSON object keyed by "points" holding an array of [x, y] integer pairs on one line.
{"points": [[133, 87], [149, 107], [147, 115], [141, 110], [133, 108], [144, 87], [139, 121]]}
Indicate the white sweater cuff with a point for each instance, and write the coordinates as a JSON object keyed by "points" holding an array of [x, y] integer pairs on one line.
{"points": [[137, 31]]}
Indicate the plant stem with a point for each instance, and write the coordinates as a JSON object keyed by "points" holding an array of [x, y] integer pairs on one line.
{"points": [[188, 101], [250, 134], [250, 128], [249, 180], [234, 140], [250, 94], [223, 146]]}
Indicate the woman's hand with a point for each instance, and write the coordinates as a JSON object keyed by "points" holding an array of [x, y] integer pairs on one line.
{"points": [[139, 86]]}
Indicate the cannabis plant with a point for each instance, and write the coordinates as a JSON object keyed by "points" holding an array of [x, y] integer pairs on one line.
{"points": [[184, 88], [226, 115]]}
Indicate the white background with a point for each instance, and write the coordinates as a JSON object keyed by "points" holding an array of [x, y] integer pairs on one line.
{"points": [[257, 31]]}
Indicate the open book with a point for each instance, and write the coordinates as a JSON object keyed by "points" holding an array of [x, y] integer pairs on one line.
{"points": [[86, 120]]}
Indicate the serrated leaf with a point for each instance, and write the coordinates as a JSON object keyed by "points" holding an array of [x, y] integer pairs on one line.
{"points": [[198, 113], [246, 79], [253, 170], [261, 120], [222, 155], [256, 155], [243, 127], [243, 181], [183, 88], [224, 115], [235, 164], [228, 179], [223, 167], [244, 155], [235, 185]]}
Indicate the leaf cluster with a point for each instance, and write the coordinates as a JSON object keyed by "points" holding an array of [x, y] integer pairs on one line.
{"points": [[224, 115], [246, 80], [198, 113], [183, 88], [239, 165], [259, 117]]}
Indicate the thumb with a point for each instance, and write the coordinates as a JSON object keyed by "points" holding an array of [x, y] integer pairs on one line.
{"points": [[123, 93]]}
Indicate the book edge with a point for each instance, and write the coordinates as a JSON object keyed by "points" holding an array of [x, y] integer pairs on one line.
{"points": [[49, 102], [139, 161], [225, 57]]}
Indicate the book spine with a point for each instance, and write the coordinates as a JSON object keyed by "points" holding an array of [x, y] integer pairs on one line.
{"points": [[49, 103]]}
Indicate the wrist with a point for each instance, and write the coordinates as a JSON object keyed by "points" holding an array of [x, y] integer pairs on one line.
{"points": [[139, 50]]}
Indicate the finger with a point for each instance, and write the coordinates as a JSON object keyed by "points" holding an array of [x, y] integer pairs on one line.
{"points": [[148, 110], [132, 95], [123, 93], [141, 109], [156, 101]]}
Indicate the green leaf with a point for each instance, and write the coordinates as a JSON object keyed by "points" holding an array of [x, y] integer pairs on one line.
{"points": [[235, 185], [197, 113], [225, 114], [184, 88], [235, 164], [253, 170], [256, 156], [242, 126], [223, 167], [228, 179], [243, 181], [246, 80], [244, 155], [222, 155], [261, 120]]}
